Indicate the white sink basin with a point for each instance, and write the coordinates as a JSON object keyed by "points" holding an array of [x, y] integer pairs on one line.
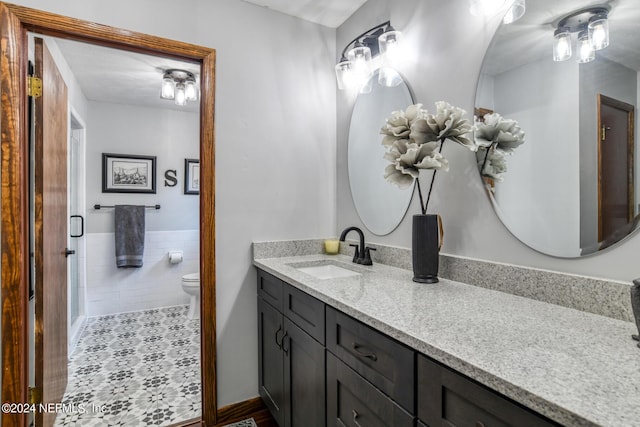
{"points": [[327, 271]]}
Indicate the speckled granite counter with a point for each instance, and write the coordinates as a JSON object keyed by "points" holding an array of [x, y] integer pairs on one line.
{"points": [[576, 368]]}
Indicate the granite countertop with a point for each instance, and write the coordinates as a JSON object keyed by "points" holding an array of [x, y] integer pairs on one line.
{"points": [[576, 368]]}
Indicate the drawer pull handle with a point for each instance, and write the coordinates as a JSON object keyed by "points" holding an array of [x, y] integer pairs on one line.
{"points": [[355, 418], [367, 354], [286, 350], [479, 424], [279, 343]]}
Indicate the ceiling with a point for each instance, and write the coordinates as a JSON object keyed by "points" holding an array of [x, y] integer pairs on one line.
{"points": [[116, 76], [530, 38], [330, 13]]}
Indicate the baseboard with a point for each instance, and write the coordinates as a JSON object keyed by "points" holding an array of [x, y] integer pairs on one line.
{"points": [[252, 408]]}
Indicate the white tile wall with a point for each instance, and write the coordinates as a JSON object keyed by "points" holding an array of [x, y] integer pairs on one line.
{"points": [[156, 284]]}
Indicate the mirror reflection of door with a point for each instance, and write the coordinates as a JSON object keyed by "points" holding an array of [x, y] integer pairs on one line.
{"points": [[615, 183], [50, 232]]}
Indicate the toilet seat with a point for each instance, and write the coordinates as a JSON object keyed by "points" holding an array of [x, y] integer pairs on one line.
{"points": [[192, 277]]}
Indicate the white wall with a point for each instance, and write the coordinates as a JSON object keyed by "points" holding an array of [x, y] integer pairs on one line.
{"points": [[449, 46], [275, 143], [156, 284], [543, 98]]}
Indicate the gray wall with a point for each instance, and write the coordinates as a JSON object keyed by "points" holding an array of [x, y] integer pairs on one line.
{"points": [[449, 46], [170, 135]]}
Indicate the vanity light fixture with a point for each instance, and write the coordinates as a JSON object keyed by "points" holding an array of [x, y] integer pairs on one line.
{"points": [[591, 25], [179, 86], [357, 59]]}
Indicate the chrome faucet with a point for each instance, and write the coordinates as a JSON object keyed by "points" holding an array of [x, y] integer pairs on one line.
{"points": [[362, 254]]}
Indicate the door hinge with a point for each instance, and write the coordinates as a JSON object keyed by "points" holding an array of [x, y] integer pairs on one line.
{"points": [[34, 86], [35, 396]]}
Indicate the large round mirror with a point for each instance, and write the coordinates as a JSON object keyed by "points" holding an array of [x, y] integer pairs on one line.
{"points": [[380, 204], [571, 188]]}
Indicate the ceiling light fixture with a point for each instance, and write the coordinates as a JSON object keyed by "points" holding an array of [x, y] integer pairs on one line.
{"points": [[356, 62], [591, 25], [179, 86]]}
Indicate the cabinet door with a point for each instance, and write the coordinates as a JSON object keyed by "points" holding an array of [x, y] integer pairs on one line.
{"points": [[271, 359], [304, 378], [353, 401]]}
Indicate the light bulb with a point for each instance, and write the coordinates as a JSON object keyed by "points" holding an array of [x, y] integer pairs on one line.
{"points": [[390, 46], [344, 74], [561, 45], [515, 12], [167, 88], [599, 32], [360, 55], [389, 77], [585, 49], [191, 90], [181, 95]]}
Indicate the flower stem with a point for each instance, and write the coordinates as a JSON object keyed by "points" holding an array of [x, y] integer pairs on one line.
{"points": [[422, 206], [484, 163], [433, 177]]}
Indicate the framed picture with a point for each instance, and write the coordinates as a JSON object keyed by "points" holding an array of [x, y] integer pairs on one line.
{"points": [[191, 176], [125, 173]]}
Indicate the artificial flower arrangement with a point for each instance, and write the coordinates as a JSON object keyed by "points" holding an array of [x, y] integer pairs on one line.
{"points": [[414, 139], [496, 138]]}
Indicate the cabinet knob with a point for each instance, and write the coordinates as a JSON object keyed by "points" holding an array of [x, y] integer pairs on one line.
{"points": [[279, 342], [479, 424], [355, 418], [368, 354]]}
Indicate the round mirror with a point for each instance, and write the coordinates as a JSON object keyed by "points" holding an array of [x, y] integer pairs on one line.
{"points": [[380, 204], [571, 188]]}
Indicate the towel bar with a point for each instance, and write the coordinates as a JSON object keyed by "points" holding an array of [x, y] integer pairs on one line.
{"points": [[98, 207]]}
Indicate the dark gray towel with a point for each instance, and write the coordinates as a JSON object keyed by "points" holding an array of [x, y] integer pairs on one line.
{"points": [[129, 222]]}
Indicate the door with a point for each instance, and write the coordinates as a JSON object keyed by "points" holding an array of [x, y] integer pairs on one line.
{"points": [[50, 229], [615, 167]]}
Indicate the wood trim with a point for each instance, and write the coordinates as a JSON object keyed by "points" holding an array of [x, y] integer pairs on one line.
{"points": [[240, 411], [15, 21], [15, 215], [630, 109]]}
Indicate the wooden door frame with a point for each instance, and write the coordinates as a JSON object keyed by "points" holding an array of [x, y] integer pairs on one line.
{"points": [[15, 22], [630, 109]]}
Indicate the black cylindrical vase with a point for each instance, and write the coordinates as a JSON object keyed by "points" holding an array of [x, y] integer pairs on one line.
{"points": [[425, 248]]}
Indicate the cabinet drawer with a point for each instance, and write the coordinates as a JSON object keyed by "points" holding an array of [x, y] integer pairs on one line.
{"points": [[270, 288], [387, 364], [448, 398], [305, 311], [353, 401]]}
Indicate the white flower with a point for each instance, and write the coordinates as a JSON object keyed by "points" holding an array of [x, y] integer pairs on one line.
{"points": [[447, 123], [407, 158], [495, 163], [398, 126], [496, 130]]}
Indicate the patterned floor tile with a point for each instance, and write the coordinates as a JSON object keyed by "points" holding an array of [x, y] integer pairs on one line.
{"points": [[138, 369]]}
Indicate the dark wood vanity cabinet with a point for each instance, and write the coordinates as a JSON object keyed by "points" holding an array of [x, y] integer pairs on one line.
{"points": [[292, 368], [320, 367], [446, 398]]}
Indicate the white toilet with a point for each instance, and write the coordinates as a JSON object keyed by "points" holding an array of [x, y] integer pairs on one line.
{"points": [[191, 285]]}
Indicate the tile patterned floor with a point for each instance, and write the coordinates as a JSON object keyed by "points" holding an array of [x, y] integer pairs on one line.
{"points": [[244, 423], [135, 369]]}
